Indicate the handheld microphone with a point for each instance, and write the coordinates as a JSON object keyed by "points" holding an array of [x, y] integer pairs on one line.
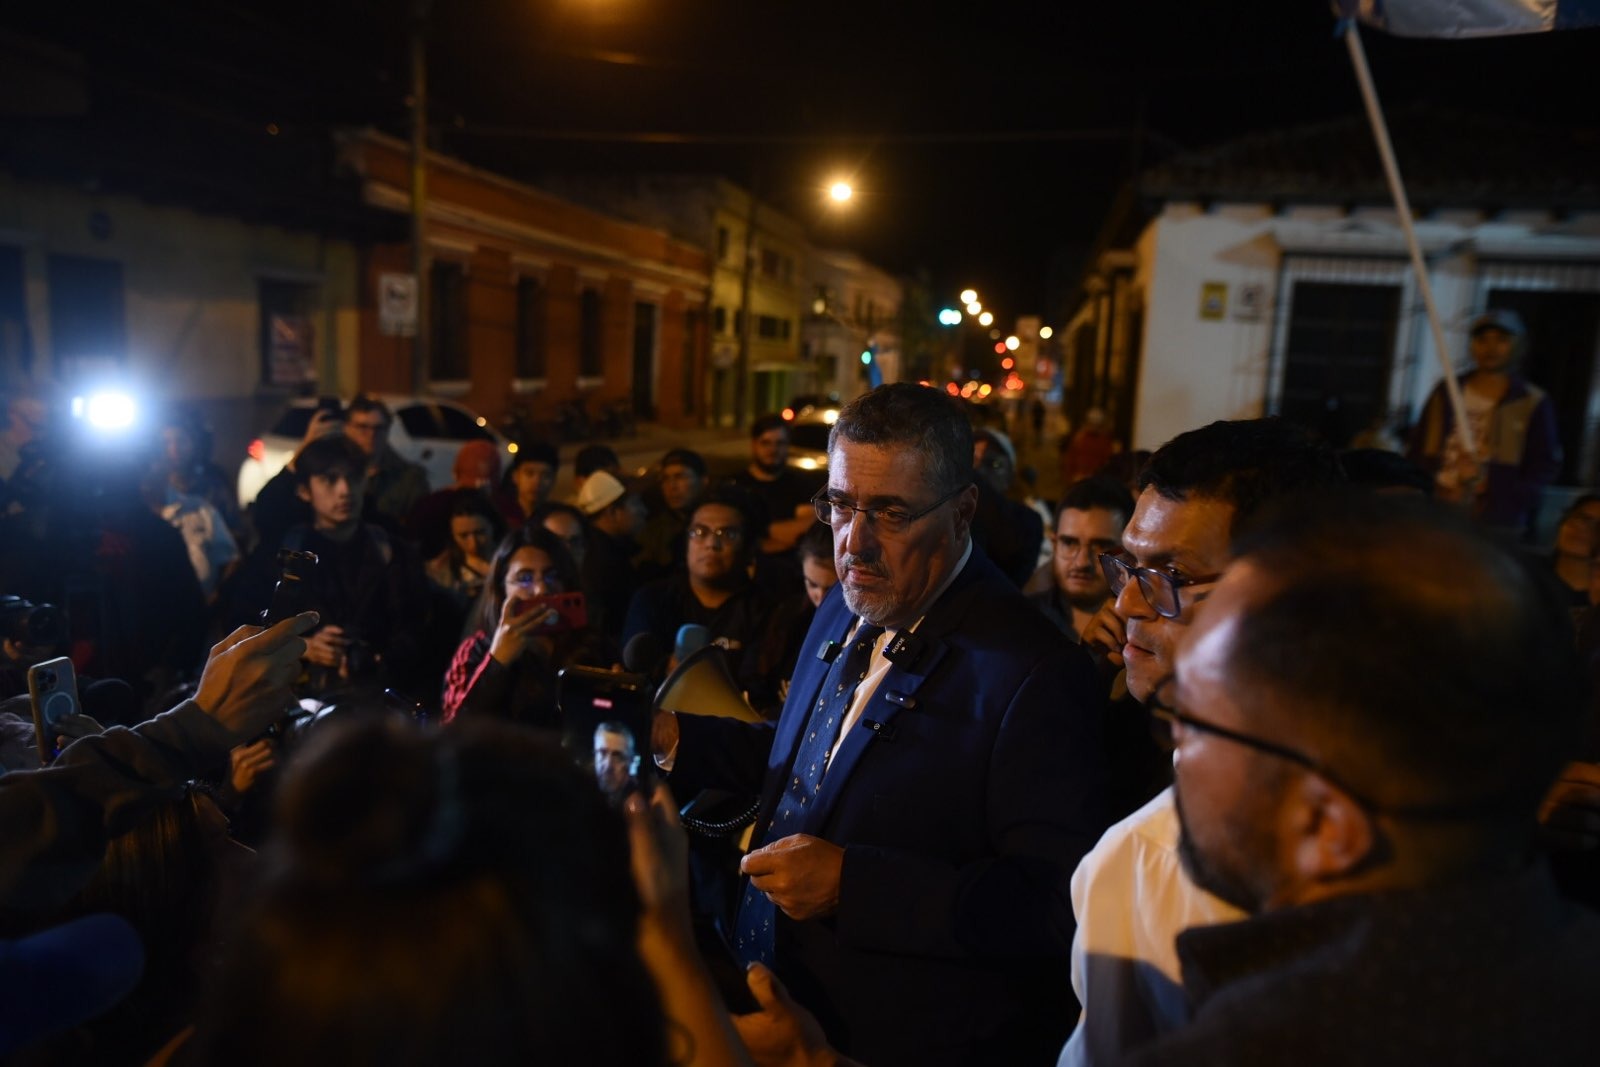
{"points": [[643, 654], [691, 639]]}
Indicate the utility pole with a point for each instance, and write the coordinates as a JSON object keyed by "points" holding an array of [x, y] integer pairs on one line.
{"points": [[741, 383], [419, 192]]}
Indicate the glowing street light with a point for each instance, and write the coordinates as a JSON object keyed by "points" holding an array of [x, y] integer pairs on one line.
{"points": [[1013, 342], [950, 317], [1045, 333], [973, 307], [969, 296], [840, 192], [986, 319]]}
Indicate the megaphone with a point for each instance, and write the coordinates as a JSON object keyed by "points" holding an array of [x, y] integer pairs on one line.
{"points": [[702, 684]]}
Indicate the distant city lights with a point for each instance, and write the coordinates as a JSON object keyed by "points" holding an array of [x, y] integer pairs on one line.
{"points": [[986, 319], [969, 296], [1013, 342], [949, 317], [973, 307], [1045, 333]]}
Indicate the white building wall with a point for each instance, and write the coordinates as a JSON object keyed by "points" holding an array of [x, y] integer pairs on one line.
{"points": [[190, 287], [1195, 369]]}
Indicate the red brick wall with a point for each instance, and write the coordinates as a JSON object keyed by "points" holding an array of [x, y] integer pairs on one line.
{"points": [[385, 362]]}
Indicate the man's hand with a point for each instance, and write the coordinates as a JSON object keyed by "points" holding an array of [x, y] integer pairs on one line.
{"points": [[800, 873], [248, 763], [245, 686], [1570, 814], [660, 851], [663, 733], [782, 1033], [327, 647], [1105, 632]]}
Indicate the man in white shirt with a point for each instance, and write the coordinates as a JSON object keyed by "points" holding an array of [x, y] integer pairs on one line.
{"points": [[1130, 896]]}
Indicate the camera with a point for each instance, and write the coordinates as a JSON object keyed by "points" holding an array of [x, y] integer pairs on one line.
{"points": [[293, 594], [31, 625]]}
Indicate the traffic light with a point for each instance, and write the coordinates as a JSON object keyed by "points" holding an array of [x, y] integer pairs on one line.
{"points": [[869, 366]]}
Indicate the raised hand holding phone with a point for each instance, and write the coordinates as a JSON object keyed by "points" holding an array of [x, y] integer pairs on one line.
{"points": [[521, 621]]}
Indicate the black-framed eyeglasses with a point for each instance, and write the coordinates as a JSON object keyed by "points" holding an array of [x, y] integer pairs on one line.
{"points": [[890, 519], [1160, 589], [1161, 708]]}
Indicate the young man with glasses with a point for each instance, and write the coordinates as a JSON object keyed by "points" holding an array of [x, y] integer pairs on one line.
{"points": [[714, 590], [1129, 894], [936, 772], [1371, 799]]}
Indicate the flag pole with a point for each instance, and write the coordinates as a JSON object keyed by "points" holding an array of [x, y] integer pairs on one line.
{"points": [[1397, 189]]}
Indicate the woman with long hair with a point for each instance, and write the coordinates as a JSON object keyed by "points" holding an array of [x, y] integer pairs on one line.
{"points": [[506, 667]]}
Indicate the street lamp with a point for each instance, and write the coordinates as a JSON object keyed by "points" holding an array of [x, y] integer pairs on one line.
{"points": [[840, 192], [1045, 333], [969, 296], [986, 318]]}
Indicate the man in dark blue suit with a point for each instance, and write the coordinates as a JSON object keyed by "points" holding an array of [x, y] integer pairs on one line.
{"points": [[935, 776]]}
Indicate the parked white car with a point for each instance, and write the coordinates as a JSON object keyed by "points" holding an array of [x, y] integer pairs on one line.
{"points": [[426, 430]]}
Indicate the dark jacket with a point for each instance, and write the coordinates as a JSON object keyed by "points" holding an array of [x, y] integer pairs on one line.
{"points": [[963, 799]]}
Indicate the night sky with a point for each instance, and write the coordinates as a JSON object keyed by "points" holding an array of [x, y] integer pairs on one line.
{"points": [[986, 140]]}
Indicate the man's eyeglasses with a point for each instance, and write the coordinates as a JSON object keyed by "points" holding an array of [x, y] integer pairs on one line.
{"points": [[719, 535], [1160, 589], [889, 520], [1161, 708]]}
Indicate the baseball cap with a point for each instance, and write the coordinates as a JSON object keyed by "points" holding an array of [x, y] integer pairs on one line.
{"points": [[1501, 319], [1000, 439], [599, 492]]}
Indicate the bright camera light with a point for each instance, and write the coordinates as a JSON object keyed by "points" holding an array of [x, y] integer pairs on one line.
{"points": [[106, 411]]}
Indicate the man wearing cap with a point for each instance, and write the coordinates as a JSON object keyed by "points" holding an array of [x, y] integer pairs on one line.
{"points": [[1513, 426], [615, 516], [1009, 530]]}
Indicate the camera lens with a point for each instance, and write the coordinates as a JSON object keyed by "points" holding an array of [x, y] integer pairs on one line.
{"points": [[47, 679]]}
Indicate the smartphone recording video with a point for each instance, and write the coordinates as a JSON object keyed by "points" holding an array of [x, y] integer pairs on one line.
{"points": [[571, 614], [607, 716]]}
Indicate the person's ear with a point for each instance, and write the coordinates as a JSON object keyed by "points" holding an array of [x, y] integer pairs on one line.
{"points": [[12, 649], [966, 506], [1333, 836]]}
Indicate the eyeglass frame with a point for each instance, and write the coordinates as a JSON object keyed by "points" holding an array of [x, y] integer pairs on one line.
{"points": [[720, 535], [1117, 571], [1169, 715], [823, 506]]}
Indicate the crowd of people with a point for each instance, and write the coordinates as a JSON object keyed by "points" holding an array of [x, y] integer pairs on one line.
{"points": [[1258, 752]]}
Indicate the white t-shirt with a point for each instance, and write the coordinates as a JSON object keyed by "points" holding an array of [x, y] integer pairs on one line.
{"points": [[1131, 898]]}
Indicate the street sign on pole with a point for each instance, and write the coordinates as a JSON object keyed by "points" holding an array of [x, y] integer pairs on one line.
{"points": [[397, 305]]}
